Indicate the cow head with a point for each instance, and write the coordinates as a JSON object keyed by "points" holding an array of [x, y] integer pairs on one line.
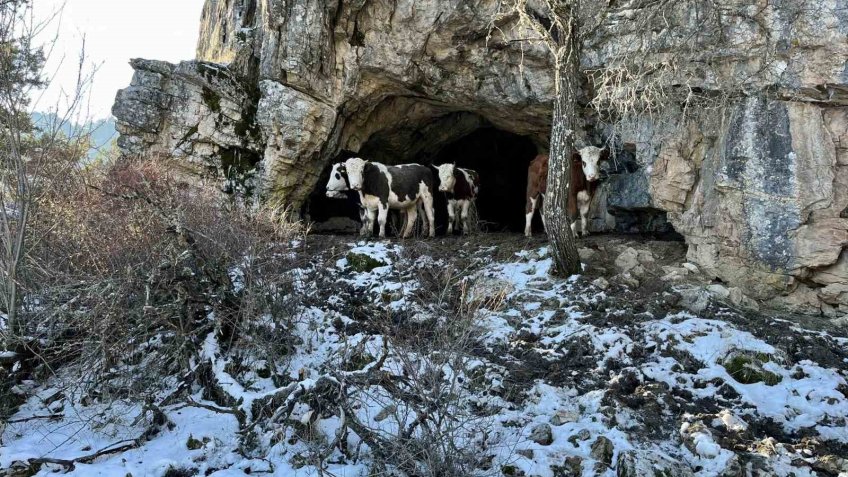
{"points": [[355, 172], [446, 178], [590, 156], [338, 182]]}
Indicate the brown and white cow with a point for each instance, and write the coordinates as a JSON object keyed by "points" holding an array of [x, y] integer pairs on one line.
{"points": [[461, 187], [585, 171], [537, 185], [406, 187]]}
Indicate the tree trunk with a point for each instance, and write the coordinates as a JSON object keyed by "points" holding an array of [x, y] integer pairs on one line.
{"points": [[563, 246]]}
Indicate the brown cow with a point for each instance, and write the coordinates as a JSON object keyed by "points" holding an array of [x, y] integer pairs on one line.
{"points": [[584, 176], [537, 185]]}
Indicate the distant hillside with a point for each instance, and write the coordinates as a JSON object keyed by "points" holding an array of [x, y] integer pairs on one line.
{"points": [[102, 130]]}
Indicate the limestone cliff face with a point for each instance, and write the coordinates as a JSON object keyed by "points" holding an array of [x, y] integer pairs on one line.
{"points": [[759, 189]]}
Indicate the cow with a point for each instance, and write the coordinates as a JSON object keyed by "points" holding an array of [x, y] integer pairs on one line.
{"points": [[585, 172], [406, 187], [343, 191], [537, 185], [460, 187]]}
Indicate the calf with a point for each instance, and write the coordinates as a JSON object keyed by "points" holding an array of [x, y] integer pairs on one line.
{"points": [[382, 187], [585, 172], [461, 187], [584, 176]]}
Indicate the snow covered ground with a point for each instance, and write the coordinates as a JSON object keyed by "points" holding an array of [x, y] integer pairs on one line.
{"points": [[554, 377]]}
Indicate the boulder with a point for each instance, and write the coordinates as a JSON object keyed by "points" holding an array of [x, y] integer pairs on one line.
{"points": [[542, 434], [601, 283], [485, 289], [642, 463], [627, 260], [586, 254], [699, 440], [691, 267], [602, 450], [564, 417], [695, 299], [572, 467], [831, 464], [628, 279], [719, 291], [834, 294], [336, 225]]}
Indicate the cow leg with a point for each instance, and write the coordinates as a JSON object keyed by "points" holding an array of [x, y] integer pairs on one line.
{"points": [[466, 205], [419, 208], [528, 217], [382, 215], [363, 220], [368, 229], [583, 202], [451, 215], [427, 199], [411, 216]]}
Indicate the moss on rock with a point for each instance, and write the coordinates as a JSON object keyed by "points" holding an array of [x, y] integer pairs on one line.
{"points": [[748, 368], [361, 263], [212, 99]]}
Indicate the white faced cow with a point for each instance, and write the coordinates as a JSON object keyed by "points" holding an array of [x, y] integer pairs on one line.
{"points": [[461, 187], [382, 187], [585, 172]]}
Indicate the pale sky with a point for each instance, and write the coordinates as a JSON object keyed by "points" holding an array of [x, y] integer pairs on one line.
{"points": [[115, 31]]}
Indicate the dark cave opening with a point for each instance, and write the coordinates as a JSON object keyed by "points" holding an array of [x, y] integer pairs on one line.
{"points": [[622, 204], [501, 158], [332, 215]]}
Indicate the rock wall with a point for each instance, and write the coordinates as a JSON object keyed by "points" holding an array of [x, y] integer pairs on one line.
{"points": [[758, 188]]}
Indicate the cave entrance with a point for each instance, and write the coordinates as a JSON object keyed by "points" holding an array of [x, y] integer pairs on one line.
{"points": [[622, 204], [501, 158], [331, 216]]}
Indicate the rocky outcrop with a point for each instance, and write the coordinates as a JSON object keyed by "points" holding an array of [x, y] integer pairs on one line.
{"points": [[759, 199], [758, 186], [197, 111]]}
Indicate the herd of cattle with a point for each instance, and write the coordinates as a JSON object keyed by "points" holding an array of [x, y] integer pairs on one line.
{"points": [[410, 188]]}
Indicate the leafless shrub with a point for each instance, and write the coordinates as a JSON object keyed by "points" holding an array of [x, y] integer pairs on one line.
{"points": [[403, 395], [138, 266]]}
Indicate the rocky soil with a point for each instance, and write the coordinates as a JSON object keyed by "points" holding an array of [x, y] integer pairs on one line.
{"points": [[642, 366]]}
